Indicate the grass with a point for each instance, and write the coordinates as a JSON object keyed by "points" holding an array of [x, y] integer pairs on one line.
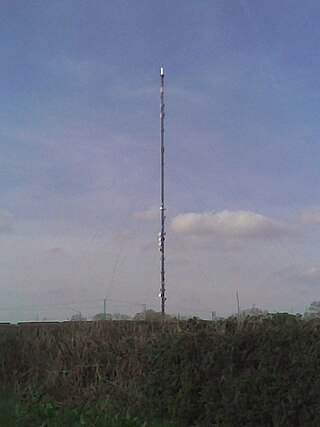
{"points": [[236, 372], [16, 414]]}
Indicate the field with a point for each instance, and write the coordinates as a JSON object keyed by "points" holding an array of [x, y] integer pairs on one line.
{"points": [[248, 372]]}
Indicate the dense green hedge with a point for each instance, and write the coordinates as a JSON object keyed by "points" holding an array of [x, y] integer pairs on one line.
{"points": [[233, 373]]}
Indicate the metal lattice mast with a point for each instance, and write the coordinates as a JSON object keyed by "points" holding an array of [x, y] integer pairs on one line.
{"points": [[162, 208]]}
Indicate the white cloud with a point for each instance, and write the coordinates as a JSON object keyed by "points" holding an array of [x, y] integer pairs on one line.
{"points": [[241, 224], [311, 216], [310, 274], [148, 215]]}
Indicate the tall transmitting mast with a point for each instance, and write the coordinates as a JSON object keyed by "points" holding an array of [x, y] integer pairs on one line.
{"points": [[162, 208]]}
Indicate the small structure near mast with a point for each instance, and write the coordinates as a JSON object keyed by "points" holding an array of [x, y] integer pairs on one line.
{"points": [[162, 207]]}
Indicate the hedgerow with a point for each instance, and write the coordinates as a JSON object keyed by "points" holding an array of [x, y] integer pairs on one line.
{"points": [[249, 372]]}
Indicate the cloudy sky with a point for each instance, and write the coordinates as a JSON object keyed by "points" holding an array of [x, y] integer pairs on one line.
{"points": [[79, 207]]}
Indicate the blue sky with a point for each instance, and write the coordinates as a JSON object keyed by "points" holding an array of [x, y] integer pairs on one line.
{"points": [[79, 85]]}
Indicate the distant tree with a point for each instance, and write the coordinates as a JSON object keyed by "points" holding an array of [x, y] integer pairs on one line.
{"points": [[77, 317], [313, 310], [102, 316], [120, 316], [314, 307], [254, 311], [150, 315], [180, 317]]}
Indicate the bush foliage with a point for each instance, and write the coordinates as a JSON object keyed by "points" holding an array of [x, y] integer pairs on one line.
{"points": [[250, 372]]}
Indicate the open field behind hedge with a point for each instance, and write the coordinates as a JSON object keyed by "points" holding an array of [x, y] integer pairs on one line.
{"points": [[249, 372]]}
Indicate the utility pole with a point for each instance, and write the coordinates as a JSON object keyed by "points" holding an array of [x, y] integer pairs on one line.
{"points": [[162, 208], [238, 303], [105, 309], [144, 310]]}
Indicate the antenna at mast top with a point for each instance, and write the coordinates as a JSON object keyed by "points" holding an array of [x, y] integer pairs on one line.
{"points": [[161, 71]]}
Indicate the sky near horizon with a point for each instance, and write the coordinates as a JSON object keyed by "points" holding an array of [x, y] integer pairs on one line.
{"points": [[79, 207]]}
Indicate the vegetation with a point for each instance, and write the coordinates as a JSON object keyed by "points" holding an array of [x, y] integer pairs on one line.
{"points": [[16, 414], [257, 371], [313, 310]]}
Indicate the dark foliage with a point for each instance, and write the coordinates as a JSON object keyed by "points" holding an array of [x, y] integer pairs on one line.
{"points": [[234, 373]]}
